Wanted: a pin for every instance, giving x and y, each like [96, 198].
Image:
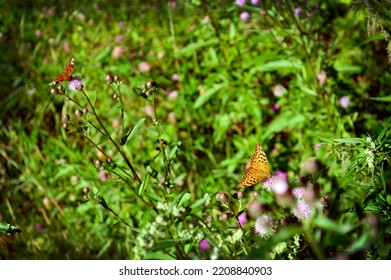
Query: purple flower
[344, 101]
[297, 11]
[245, 16]
[240, 2]
[276, 180]
[39, 228]
[103, 177]
[264, 225]
[299, 192]
[280, 186]
[282, 174]
[302, 210]
[175, 77]
[242, 218]
[204, 244]
[75, 84]
[254, 2]
[274, 107]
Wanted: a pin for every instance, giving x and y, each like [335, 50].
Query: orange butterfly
[258, 170]
[66, 75]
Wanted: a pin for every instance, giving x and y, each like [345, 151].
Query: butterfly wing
[66, 75]
[251, 176]
[258, 170]
[259, 160]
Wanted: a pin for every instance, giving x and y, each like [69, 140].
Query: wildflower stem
[130, 186]
[118, 89]
[311, 240]
[160, 133]
[136, 177]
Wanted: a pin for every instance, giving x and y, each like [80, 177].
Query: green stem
[136, 177]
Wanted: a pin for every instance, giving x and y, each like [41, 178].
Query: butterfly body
[258, 170]
[66, 75]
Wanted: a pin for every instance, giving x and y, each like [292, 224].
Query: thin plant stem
[135, 175]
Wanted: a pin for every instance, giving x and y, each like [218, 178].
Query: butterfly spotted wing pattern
[258, 170]
[66, 75]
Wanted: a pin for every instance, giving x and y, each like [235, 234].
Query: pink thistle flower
[75, 84]
[119, 38]
[297, 11]
[280, 186]
[38, 32]
[264, 225]
[172, 4]
[244, 16]
[240, 2]
[299, 192]
[254, 2]
[242, 218]
[204, 244]
[175, 77]
[171, 118]
[322, 76]
[282, 174]
[344, 101]
[66, 46]
[302, 210]
[279, 90]
[148, 109]
[103, 176]
[144, 67]
[270, 183]
[173, 95]
[117, 52]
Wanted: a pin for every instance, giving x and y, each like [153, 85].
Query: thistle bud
[222, 197]
[78, 113]
[65, 118]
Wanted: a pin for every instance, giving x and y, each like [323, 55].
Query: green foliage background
[228, 69]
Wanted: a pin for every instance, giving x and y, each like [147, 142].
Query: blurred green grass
[223, 103]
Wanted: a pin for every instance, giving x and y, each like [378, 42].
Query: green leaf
[131, 131]
[360, 244]
[382, 99]
[202, 99]
[185, 198]
[190, 49]
[328, 224]
[200, 202]
[143, 184]
[349, 69]
[154, 197]
[170, 243]
[380, 36]
[349, 140]
[286, 120]
[278, 65]
[158, 256]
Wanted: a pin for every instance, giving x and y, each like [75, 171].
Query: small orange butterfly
[258, 170]
[66, 75]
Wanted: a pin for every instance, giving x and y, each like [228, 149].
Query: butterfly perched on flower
[258, 170]
[66, 75]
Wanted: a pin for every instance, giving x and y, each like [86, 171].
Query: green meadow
[154, 115]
